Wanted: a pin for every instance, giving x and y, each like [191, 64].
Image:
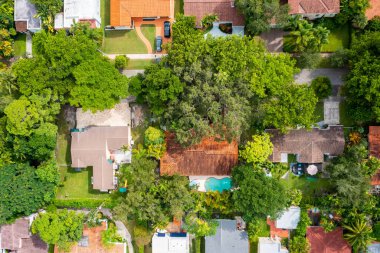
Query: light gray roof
[26, 11]
[227, 239]
[289, 218]
[374, 248]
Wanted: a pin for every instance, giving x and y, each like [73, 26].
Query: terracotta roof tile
[207, 158]
[223, 8]
[21, 26]
[314, 6]
[332, 242]
[283, 233]
[374, 9]
[310, 145]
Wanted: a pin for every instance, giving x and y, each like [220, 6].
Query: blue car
[167, 29]
[158, 44]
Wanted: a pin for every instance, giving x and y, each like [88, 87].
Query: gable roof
[373, 10]
[210, 157]
[314, 6]
[93, 148]
[227, 239]
[332, 242]
[223, 8]
[310, 145]
[122, 11]
[16, 237]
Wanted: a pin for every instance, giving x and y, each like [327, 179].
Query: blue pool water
[213, 184]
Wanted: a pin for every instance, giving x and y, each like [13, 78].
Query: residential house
[331, 242]
[164, 242]
[373, 10]
[270, 245]
[313, 9]
[310, 146]
[91, 242]
[125, 12]
[25, 16]
[16, 238]
[374, 150]
[208, 158]
[75, 11]
[102, 140]
[228, 238]
[224, 9]
[280, 228]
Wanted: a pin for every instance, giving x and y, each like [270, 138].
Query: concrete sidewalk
[137, 56]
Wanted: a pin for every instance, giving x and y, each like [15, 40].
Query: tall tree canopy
[260, 13]
[23, 190]
[256, 195]
[362, 87]
[74, 71]
[228, 83]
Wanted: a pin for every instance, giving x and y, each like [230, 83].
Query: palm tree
[303, 36]
[358, 235]
[321, 35]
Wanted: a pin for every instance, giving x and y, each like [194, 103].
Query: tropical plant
[299, 244]
[358, 234]
[257, 228]
[154, 142]
[121, 61]
[258, 150]
[322, 86]
[295, 197]
[327, 224]
[208, 20]
[110, 236]
[200, 227]
[142, 235]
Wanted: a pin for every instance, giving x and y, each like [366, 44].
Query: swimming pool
[213, 184]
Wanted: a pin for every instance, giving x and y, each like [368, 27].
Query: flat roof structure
[270, 245]
[79, 11]
[170, 243]
[289, 218]
[227, 239]
[25, 16]
[210, 157]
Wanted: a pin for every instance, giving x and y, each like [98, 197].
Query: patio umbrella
[312, 170]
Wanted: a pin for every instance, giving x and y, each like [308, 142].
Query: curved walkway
[143, 39]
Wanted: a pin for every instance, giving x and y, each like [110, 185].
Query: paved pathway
[274, 40]
[307, 75]
[137, 56]
[132, 72]
[124, 233]
[331, 111]
[29, 46]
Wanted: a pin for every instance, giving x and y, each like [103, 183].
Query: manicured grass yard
[20, 44]
[319, 112]
[338, 39]
[139, 64]
[77, 185]
[345, 117]
[62, 150]
[149, 32]
[123, 42]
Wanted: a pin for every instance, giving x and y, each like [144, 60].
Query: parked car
[158, 43]
[167, 29]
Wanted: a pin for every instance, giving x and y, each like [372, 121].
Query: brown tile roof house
[207, 158]
[223, 8]
[16, 238]
[309, 145]
[96, 147]
[332, 242]
[123, 11]
[314, 6]
[374, 149]
[373, 10]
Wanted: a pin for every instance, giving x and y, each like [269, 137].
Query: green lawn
[338, 39]
[123, 42]
[77, 185]
[139, 64]
[20, 44]
[319, 112]
[105, 12]
[178, 6]
[345, 117]
[149, 32]
[264, 232]
[62, 150]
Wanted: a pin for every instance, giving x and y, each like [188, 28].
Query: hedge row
[83, 203]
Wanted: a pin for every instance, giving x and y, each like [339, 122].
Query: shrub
[374, 24]
[142, 236]
[110, 235]
[154, 141]
[299, 244]
[327, 224]
[295, 197]
[208, 20]
[309, 60]
[83, 203]
[340, 58]
[322, 87]
[121, 61]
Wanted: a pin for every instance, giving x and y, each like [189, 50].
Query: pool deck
[201, 181]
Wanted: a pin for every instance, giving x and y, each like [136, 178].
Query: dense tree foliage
[219, 86]
[353, 12]
[154, 142]
[256, 196]
[61, 227]
[258, 150]
[24, 189]
[322, 86]
[6, 29]
[75, 71]
[152, 198]
[259, 14]
[362, 85]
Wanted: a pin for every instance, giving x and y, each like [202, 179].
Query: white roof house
[170, 243]
[77, 11]
[228, 239]
[25, 16]
[374, 248]
[269, 245]
[290, 218]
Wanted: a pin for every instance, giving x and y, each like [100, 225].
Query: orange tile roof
[122, 11]
[314, 6]
[374, 9]
[210, 157]
[283, 233]
[332, 242]
[374, 141]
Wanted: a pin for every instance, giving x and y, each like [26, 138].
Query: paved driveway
[274, 40]
[307, 75]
